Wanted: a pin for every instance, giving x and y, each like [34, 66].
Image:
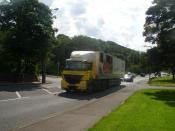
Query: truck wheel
[90, 90]
[103, 84]
[68, 90]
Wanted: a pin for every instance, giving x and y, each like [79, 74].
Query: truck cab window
[78, 65]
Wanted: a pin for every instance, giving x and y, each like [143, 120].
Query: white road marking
[14, 99]
[56, 93]
[53, 93]
[47, 91]
[59, 87]
[18, 95]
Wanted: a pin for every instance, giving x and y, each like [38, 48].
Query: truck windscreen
[78, 65]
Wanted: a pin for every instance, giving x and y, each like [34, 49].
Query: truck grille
[73, 79]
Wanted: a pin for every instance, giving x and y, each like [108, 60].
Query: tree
[159, 29]
[60, 51]
[27, 25]
[154, 59]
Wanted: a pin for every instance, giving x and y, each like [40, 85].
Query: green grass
[146, 110]
[162, 81]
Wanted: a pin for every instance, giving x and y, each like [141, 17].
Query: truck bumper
[82, 86]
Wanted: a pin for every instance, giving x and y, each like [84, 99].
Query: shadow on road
[13, 88]
[167, 96]
[85, 96]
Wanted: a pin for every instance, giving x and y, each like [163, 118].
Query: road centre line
[18, 95]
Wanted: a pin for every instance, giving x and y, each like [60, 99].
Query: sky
[120, 21]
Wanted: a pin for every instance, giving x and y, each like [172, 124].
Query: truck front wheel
[68, 90]
[89, 90]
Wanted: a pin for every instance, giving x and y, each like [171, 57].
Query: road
[22, 106]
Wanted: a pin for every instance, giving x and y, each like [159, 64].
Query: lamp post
[44, 61]
[58, 66]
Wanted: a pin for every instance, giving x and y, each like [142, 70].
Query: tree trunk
[43, 72]
[173, 73]
[17, 73]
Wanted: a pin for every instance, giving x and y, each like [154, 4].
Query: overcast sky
[120, 21]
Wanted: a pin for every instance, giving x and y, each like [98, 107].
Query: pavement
[13, 91]
[84, 117]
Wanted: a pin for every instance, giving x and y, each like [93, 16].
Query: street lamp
[58, 66]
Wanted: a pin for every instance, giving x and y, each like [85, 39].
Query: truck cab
[77, 73]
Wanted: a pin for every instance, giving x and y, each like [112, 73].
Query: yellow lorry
[91, 70]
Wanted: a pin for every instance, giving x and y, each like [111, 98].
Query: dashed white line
[47, 91]
[18, 95]
[13, 99]
[56, 93]
[59, 87]
[53, 93]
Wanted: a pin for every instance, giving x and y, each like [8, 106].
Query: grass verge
[162, 81]
[146, 110]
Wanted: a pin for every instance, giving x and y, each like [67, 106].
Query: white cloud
[120, 21]
[77, 8]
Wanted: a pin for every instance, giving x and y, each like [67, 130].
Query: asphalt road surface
[22, 105]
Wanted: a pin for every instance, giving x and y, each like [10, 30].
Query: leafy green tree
[160, 29]
[144, 66]
[60, 51]
[154, 59]
[27, 25]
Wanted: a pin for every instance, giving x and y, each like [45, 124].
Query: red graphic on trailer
[105, 64]
[107, 68]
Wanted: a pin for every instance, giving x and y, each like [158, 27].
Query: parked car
[163, 74]
[156, 74]
[142, 74]
[133, 74]
[128, 78]
[160, 74]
